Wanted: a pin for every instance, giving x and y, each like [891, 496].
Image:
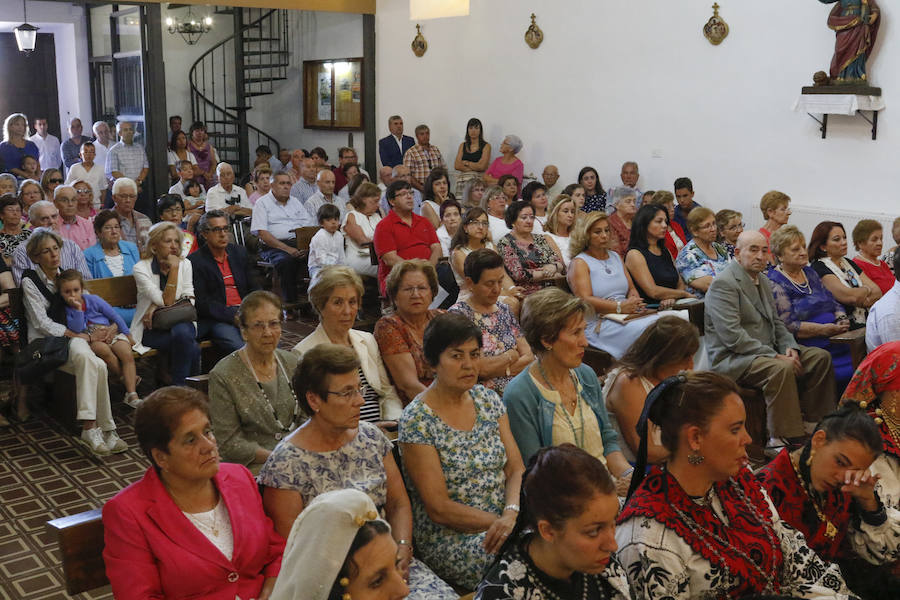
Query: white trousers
[91, 389]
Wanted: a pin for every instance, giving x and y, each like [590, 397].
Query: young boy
[91, 316]
[327, 246]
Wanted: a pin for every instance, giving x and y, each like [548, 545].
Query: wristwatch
[619, 307]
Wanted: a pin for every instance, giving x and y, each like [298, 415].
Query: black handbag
[40, 357]
[167, 317]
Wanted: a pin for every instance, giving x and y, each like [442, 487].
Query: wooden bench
[856, 339]
[80, 539]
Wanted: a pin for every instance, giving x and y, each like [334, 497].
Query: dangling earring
[812, 452]
[695, 458]
[344, 582]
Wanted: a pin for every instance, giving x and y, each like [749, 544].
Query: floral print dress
[520, 259]
[500, 333]
[357, 465]
[473, 465]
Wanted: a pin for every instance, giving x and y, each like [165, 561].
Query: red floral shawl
[659, 493]
[878, 373]
[796, 509]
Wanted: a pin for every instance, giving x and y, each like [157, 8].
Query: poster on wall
[332, 95]
[324, 96]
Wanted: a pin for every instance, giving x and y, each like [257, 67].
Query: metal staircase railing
[226, 78]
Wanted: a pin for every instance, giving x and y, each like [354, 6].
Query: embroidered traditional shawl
[660, 493]
[795, 507]
[878, 373]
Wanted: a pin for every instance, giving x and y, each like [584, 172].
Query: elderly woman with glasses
[702, 258]
[13, 231]
[45, 313]
[336, 449]
[411, 286]
[730, 224]
[252, 400]
[532, 259]
[336, 297]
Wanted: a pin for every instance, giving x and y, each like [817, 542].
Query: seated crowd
[463, 442]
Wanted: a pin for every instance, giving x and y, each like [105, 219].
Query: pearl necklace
[803, 288]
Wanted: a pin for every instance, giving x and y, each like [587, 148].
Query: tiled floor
[45, 474]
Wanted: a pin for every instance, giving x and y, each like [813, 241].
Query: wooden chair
[118, 291]
[304, 236]
[80, 539]
[601, 362]
[856, 339]
[696, 314]
[199, 382]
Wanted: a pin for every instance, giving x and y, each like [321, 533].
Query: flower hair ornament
[318, 545]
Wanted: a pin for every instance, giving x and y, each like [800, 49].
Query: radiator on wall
[805, 218]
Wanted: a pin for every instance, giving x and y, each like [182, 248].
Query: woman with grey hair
[8, 184]
[624, 203]
[507, 163]
[46, 316]
[15, 145]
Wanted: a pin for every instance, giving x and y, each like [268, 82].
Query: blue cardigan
[531, 415]
[96, 260]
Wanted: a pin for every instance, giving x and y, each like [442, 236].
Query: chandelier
[191, 28]
[26, 35]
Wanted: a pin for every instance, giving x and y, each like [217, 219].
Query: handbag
[40, 357]
[167, 317]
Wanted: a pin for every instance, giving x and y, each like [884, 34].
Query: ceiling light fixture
[191, 29]
[26, 35]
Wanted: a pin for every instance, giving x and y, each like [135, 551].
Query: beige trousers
[791, 400]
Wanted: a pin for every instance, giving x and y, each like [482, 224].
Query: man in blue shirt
[684, 200]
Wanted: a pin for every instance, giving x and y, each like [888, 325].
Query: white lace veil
[318, 544]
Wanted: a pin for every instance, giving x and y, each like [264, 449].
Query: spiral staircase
[226, 78]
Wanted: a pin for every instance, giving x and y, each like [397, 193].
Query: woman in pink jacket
[190, 528]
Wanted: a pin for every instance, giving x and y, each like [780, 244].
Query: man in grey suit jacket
[747, 341]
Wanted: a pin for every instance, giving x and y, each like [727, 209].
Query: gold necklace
[830, 530]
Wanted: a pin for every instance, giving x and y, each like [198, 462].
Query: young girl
[92, 317]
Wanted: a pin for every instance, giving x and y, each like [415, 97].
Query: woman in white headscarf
[339, 548]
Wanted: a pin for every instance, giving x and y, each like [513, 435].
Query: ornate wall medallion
[534, 36]
[715, 29]
[419, 45]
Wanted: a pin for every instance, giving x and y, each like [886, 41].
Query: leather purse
[167, 317]
[40, 357]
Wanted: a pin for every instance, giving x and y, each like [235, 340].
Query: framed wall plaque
[332, 94]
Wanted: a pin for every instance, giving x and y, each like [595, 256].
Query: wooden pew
[856, 339]
[80, 539]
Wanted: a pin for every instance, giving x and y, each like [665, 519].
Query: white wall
[314, 36]
[178, 57]
[67, 23]
[616, 81]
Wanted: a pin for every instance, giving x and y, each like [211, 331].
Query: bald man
[550, 175]
[325, 195]
[749, 343]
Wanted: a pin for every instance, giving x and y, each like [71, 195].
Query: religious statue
[855, 23]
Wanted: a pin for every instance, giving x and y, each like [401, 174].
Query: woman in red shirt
[867, 238]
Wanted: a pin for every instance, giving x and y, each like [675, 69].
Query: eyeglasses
[735, 227]
[348, 394]
[82, 190]
[415, 289]
[218, 230]
[262, 326]
[55, 180]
